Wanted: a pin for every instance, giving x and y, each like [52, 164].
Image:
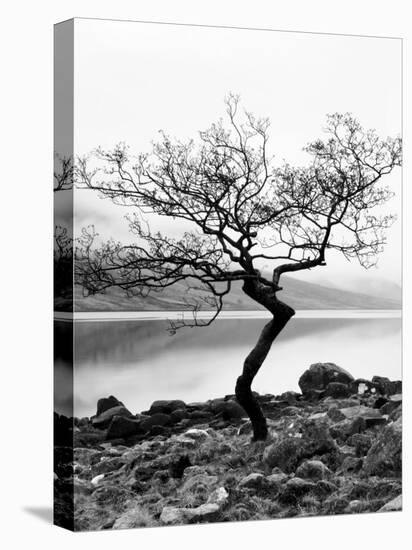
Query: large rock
[384, 458]
[386, 386]
[166, 406]
[156, 419]
[229, 409]
[122, 426]
[106, 403]
[337, 390]
[319, 375]
[103, 420]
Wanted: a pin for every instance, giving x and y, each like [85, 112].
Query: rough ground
[335, 448]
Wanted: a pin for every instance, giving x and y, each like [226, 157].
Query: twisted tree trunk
[281, 314]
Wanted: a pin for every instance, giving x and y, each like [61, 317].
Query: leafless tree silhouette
[243, 210]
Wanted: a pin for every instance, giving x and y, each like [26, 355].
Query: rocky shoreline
[334, 448]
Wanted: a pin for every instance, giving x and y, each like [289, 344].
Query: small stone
[254, 481]
[82, 487]
[354, 507]
[324, 488]
[394, 505]
[295, 489]
[362, 443]
[284, 454]
[96, 480]
[196, 434]
[107, 465]
[314, 470]
[178, 466]
[276, 480]
[132, 519]
[351, 465]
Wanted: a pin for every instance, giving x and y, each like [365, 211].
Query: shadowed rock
[319, 375]
[106, 403]
[103, 420]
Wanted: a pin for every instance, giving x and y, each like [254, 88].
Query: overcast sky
[133, 79]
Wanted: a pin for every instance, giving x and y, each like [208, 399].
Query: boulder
[315, 470]
[166, 406]
[178, 415]
[156, 419]
[386, 386]
[384, 458]
[394, 505]
[103, 420]
[361, 386]
[337, 390]
[229, 409]
[106, 403]
[159, 430]
[122, 426]
[319, 375]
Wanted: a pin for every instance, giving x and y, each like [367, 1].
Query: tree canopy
[241, 206]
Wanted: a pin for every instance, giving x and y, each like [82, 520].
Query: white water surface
[138, 361]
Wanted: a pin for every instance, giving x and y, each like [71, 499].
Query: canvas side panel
[63, 274]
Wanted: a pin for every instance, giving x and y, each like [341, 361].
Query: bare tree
[242, 210]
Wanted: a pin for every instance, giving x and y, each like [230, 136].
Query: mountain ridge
[297, 293]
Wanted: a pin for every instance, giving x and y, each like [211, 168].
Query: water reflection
[138, 361]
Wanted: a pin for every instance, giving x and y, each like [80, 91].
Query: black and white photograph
[228, 261]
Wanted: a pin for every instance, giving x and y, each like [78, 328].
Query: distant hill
[299, 294]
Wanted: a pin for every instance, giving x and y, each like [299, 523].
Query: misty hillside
[299, 294]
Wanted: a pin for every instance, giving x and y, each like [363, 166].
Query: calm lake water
[138, 361]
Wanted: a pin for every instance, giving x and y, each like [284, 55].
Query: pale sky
[133, 79]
